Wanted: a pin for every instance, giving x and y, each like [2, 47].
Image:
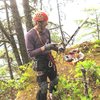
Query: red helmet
[40, 16]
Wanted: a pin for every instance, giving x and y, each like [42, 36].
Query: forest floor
[65, 68]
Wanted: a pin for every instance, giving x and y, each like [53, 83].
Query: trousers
[42, 82]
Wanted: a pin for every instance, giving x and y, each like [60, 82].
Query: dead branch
[4, 40]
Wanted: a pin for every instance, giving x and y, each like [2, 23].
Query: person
[39, 46]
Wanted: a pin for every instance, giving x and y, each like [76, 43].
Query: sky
[71, 11]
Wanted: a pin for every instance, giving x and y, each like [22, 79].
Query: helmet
[40, 16]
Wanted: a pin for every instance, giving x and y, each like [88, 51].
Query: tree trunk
[8, 59]
[13, 44]
[19, 31]
[41, 4]
[15, 50]
[97, 27]
[12, 41]
[27, 12]
[4, 31]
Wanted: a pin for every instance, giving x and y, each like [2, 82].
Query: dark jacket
[33, 43]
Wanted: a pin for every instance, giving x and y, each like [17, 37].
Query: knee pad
[44, 87]
[54, 82]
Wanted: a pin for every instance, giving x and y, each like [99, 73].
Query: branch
[4, 31]
[4, 40]
[1, 44]
[2, 8]
[8, 6]
[32, 8]
[83, 70]
[76, 31]
[55, 27]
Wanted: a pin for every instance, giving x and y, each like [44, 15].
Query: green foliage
[97, 42]
[73, 89]
[95, 46]
[70, 90]
[62, 88]
[24, 79]
[2, 71]
[89, 65]
[55, 37]
[17, 84]
[90, 27]
[2, 53]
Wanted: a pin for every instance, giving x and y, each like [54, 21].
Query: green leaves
[2, 71]
[87, 64]
[70, 88]
[97, 42]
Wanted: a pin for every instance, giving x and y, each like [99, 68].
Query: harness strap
[49, 54]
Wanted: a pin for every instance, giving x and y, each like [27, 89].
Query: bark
[15, 51]
[19, 31]
[4, 40]
[41, 5]
[4, 31]
[59, 16]
[97, 27]
[8, 60]
[27, 12]
[13, 43]
[85, 81]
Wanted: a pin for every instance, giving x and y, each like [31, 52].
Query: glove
[50, 46]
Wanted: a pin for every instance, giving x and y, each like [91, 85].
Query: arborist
[39, 46]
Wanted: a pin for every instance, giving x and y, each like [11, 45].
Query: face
[41, 25]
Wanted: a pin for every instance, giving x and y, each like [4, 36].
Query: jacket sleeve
[29, 41]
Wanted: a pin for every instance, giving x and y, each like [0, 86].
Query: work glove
[51, 46]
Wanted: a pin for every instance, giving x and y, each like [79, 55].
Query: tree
[8, 60]
[12, 40]
[93, 24]
[19, 31]
[27, 12]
